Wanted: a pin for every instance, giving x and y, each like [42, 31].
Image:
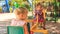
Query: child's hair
[38, 4]
[20, 10]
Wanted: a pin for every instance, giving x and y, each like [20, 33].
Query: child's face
[38, 7]
[22, 16]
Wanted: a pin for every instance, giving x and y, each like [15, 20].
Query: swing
[15, 30]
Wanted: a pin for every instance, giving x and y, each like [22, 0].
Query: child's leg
[44, 25]
[40, 25]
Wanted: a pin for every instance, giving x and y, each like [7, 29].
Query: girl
[39, 15]
[21, 16]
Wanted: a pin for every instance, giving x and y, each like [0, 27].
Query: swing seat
[15, 30]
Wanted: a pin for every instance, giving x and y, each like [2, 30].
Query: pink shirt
[17, 22]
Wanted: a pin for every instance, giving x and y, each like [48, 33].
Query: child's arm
[25, 29]
[44, 11]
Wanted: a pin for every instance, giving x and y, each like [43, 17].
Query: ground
[50, 26]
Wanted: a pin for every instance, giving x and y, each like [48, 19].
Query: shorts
[39, 20]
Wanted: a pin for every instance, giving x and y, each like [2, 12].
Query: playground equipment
[7, 5]
[15, 30]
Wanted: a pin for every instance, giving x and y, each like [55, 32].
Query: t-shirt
[15, 22]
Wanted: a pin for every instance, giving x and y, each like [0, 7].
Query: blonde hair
[20, 10]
